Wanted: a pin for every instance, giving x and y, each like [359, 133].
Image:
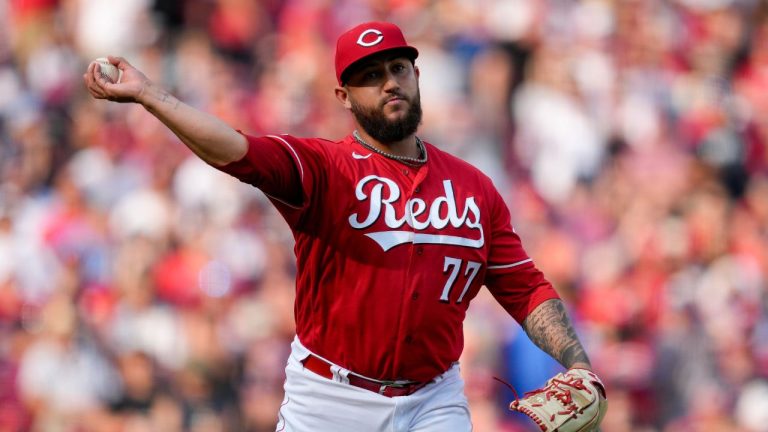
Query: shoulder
[457, 167]
[289, 139]
[306, 146]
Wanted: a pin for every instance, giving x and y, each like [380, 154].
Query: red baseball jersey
[390, 255]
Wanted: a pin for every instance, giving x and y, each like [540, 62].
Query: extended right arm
[207, 136]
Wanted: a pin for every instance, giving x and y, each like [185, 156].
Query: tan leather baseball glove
[573, 401]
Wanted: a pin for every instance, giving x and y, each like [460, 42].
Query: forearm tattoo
[160, 95]
[550, 329]
[167, 98]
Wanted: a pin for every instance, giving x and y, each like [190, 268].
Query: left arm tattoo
[550, 329]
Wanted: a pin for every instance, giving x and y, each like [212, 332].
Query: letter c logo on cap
[379, 38]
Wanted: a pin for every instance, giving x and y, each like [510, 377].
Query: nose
[390, 82]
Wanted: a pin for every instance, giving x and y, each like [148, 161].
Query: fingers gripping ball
[573, 401]
[108, 71]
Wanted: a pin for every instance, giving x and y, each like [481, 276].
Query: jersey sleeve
[511, 276]
[287, 169]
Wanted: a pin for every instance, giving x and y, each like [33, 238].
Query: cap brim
[408, 51]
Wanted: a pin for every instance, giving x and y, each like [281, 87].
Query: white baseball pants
[313, 403]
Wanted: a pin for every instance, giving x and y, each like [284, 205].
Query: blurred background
[141, 290]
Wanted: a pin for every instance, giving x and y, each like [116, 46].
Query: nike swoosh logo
[357, 155]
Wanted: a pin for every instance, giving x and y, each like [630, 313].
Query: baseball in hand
[108, 71]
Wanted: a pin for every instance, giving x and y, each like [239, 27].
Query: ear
[417, 71]
[342, 94]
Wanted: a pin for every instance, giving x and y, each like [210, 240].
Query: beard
[383, 130]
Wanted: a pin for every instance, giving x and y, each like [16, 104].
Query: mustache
[394, 95]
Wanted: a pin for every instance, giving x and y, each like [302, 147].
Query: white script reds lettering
[416, 214]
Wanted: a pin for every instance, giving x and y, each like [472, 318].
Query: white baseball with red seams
[108, 71]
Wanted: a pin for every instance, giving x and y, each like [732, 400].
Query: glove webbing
[553, 389]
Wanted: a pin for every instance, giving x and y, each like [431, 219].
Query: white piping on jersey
[515, 264]
[389, 239]
[285, 203]
[296, 155]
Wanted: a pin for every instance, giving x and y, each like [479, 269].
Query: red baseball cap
[367, 39]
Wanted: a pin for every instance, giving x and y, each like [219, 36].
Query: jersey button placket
[413, 278]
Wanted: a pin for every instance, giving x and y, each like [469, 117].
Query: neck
[409, 160]
[406, 147]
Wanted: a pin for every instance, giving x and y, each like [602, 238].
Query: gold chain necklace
[421, 160]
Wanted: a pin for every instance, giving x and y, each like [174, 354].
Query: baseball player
[393, 240]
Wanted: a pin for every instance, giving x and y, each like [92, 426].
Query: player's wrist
[581, 365]
[145, 95]
[144, 84]
[155, 99]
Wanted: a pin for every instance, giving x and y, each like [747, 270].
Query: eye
[398, 67]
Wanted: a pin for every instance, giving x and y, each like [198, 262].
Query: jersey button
[419, 250]
[418, 189]
[405, 171]
[415, 296]
[408, 339]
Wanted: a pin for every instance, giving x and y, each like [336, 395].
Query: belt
[384, 388]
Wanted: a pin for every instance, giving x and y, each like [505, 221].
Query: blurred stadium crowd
[141, 290]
